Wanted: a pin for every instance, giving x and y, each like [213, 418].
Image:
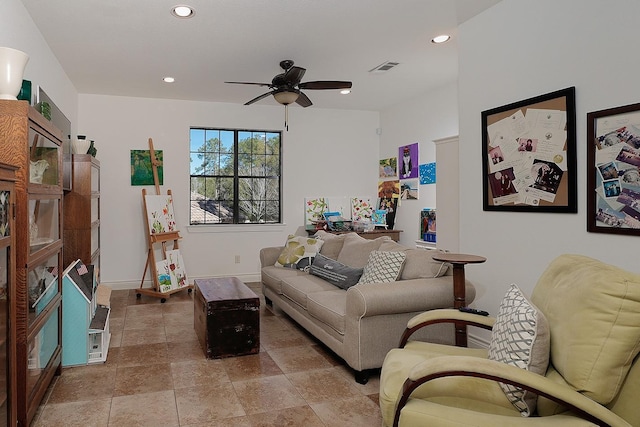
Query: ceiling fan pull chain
[286, 117]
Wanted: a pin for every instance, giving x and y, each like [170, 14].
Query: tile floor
[156, 375]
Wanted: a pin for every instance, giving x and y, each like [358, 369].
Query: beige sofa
[361, 324]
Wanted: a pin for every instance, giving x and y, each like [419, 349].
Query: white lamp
[286, 98]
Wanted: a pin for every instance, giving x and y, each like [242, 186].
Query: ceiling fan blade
[303, 100]
[325, 84]
[258, 98]
[250, 83]
[293, 75]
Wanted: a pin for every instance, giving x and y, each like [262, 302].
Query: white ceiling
[125, 47]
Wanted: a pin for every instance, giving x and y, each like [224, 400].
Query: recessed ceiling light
[182, 11]
[168, 79]
[345, 91]
[441, 39]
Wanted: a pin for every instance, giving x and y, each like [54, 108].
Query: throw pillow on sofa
[298, 249]
[332, 243]
[383, 267]
[419, 263]
[355, 251]
[334, 272]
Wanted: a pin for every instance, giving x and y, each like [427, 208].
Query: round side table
[459, 295]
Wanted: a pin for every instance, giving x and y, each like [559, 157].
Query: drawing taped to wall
[408, 161]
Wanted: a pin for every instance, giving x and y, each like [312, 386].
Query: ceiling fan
[286, 87]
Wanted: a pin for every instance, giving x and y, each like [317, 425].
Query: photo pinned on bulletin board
[428, 173]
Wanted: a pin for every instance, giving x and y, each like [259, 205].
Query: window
[235, 176]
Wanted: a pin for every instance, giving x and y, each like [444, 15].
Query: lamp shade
[12, 63]
[286, 98]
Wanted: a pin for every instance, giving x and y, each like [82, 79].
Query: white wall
[514, 51]
[423, 119]
[325, 152]
[18, 31]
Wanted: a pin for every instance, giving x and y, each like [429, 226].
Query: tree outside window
[235, 176]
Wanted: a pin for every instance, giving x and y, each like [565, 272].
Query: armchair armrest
[483, 368]
[432, 317]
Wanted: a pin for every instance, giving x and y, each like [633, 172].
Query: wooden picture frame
[529, 155]
[613, 170]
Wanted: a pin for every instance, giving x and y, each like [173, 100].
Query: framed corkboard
[529, 155]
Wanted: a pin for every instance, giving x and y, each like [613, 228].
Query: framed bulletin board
[529, 155]
[613, 170]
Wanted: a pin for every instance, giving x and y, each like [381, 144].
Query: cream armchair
[592, 316]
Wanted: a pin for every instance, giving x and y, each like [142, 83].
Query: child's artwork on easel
[168, 274]
[164, 276]
[160, 213]
[176, 269]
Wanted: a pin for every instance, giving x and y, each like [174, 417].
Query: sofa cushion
[335, 272]
[329, 307]
[296, 249]
[421, 265]
[272, 277]
[593, 352]
[297, 288]
[383, 267]
[520, 337]
[332, 243]
[355, 251]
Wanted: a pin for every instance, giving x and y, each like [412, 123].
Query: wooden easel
[154, 238]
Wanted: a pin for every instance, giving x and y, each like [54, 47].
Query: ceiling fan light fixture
[182, 11]
[345, 91]
[285, 97]
[168, 79]
[441, 39]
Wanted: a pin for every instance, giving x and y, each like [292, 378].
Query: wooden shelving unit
[82, 212]
[34, 146]
[7, 295]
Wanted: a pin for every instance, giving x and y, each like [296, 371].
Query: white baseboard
[122, 285]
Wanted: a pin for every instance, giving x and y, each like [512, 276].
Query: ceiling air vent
[384, 67]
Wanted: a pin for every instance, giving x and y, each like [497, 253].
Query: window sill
[237, 228]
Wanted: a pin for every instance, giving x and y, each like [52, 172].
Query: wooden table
[459, 292]
[370, 235]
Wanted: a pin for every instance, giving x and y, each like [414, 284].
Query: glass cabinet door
[44, 222]
[42, 286]
[5, 282]
[44, 156]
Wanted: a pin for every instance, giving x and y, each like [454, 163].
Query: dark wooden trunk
[226, 317]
